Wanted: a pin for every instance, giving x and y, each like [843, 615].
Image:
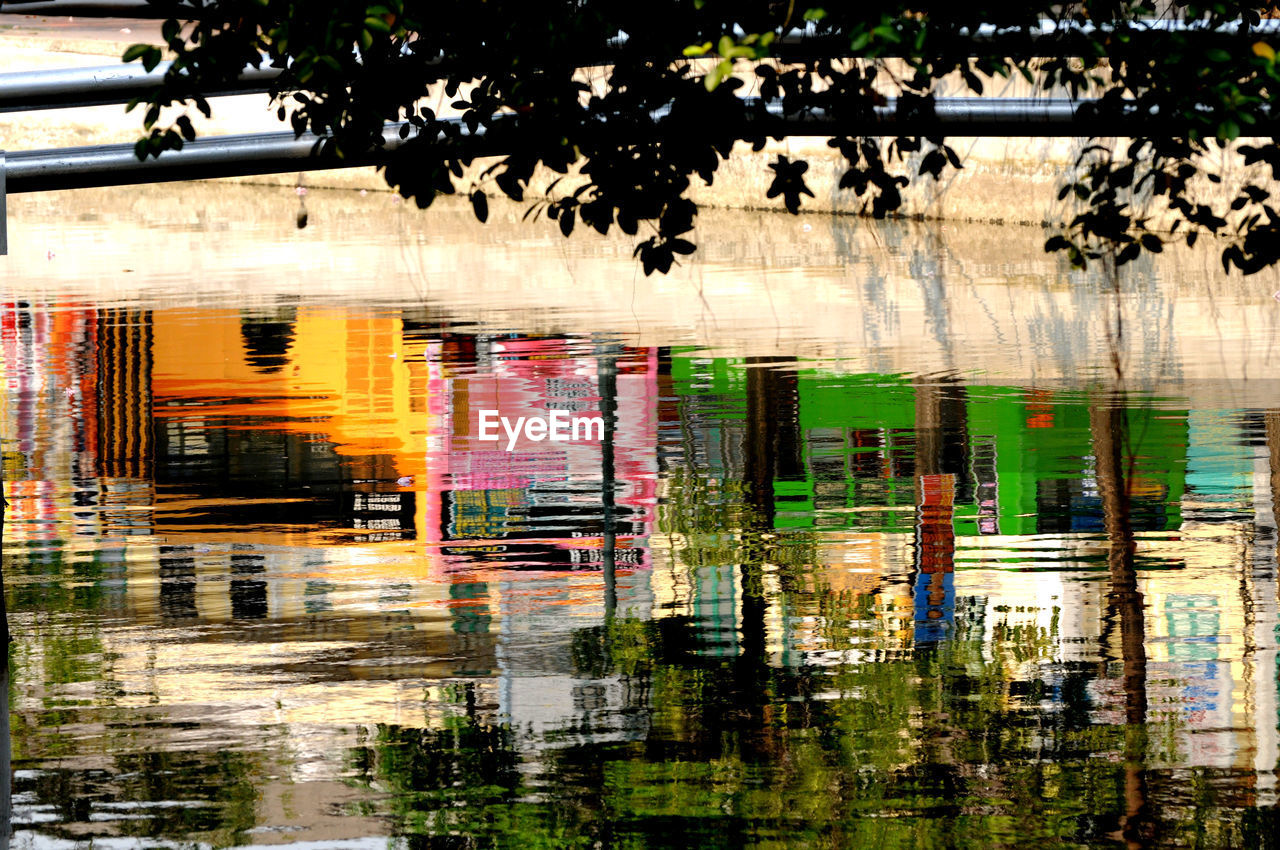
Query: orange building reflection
[396, 406]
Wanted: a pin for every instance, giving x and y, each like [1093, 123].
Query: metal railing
[98, 8]
[269, 153]
[206, 158]
[25, 91]
[4, 213]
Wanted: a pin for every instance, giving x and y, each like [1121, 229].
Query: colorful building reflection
[323, 467]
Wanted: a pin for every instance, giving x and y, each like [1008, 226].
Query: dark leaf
[480, 205]
[932, 164]
[135, 52]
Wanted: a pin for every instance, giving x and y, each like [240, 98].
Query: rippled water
[880, 548]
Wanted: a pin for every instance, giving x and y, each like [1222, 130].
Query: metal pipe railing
[210, 157]
[266, 153]
[806, 40]
[98, 8]
[4, 233]
[22, 91]
[1045, 31]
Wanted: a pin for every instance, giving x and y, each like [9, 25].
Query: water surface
[903, 535]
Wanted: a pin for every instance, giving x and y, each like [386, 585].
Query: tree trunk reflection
[772, 451]
[1108, 427]
[1272, 419]
[6, 757]
[6, 749]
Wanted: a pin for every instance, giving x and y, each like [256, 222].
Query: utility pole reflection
[607, 380]
[941, 482]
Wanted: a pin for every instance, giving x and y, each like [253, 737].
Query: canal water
[873, 535]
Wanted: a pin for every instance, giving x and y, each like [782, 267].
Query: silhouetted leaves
[634, 138]
[789, 182]
[933, 163]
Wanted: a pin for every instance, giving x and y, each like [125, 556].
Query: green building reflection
[927, 459]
